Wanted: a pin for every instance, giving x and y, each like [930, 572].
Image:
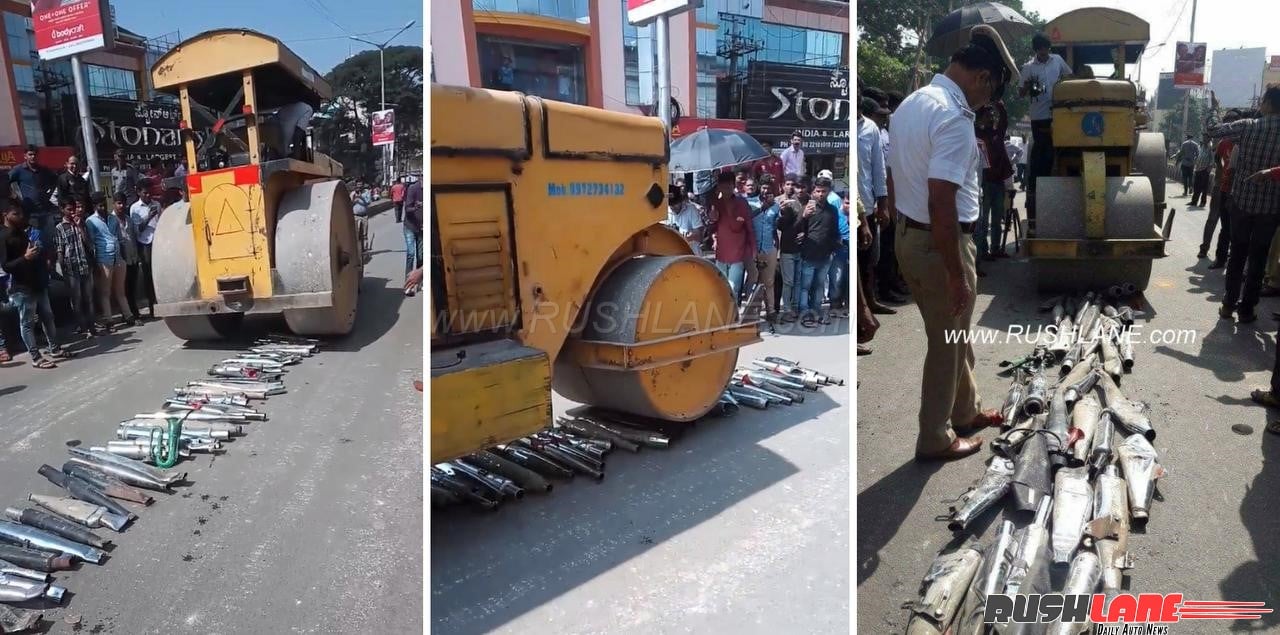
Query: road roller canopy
[211, 67]
[1092, 35]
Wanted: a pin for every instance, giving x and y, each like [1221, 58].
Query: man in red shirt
[735, 238]
[397, 198]
[1220, 204]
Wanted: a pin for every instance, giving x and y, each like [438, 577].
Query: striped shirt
[1258, 148]
[72, 245]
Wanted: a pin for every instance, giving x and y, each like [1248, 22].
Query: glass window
[31, 125]
[18, 30]
[111, 82]
[571, 10]
[639, 62]
[24, 78]
[551, 71]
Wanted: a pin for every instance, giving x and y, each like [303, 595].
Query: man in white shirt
[1038, 77]
[685, 217]
[146, 214]
[934, 167]
[793, 156]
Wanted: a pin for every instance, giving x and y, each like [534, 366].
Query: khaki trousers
[754, 275]
[948, 390]
[109, 281]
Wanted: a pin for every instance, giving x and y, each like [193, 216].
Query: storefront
[785, 99]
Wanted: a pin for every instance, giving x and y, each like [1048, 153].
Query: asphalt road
[742, 526]
[311, 523]
[1212, 537]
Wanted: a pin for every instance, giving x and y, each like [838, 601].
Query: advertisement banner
[67, 27]
[144, 130]
[1275, 62]
[1189, 64]
[642, 11]
[384, 127]
[1238, 76]
[781, 99]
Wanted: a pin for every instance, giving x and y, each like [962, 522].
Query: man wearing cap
[1038, 77]
[934, 165]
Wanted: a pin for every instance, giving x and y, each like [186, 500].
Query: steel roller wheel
[204, 327]
[317, 251]
[173, 265]
[1128, 215]
[1149, 160]
[648, 298]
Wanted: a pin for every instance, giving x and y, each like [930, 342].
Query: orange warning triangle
[228, 220]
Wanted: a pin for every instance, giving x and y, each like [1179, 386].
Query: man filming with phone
[1038, 77]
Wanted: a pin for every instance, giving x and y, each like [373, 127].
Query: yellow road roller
[267, 227]
[1098, 214]
[550, 269]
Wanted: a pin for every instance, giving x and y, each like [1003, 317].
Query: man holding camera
[1038, 77]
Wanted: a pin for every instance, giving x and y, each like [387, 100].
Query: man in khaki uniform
[934, 162]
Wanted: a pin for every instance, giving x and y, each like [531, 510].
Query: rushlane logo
[1147, 613]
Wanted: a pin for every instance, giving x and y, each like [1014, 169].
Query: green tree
[1171, 123]
[357, 87]
[876, 67]
[899, 28]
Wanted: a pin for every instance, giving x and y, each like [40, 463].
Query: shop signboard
[781, 99]
[144, 130]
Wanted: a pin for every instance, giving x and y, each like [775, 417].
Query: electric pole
[734, 47]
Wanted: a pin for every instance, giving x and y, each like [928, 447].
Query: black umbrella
[951, 33]
[711, 148]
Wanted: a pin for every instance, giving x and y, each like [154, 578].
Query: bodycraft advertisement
[781, 99]
[67, 27]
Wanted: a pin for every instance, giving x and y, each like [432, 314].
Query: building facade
[37, 98]
[585, 52]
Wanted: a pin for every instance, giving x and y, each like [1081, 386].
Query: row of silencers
[252, 388]
[36, 539]
[55, 524]
[109, 485]
[563, 456]
[37, 559]
[759, 402]
[262, 365]
[590, 430]
[202, 429]
[226, 370]
[203, 435]
[621, 429]
[771, 382]
[769, 395]
[83, 490]
[18, 589]
[472, 484]
[132, 472]
[243, 413]
[194, 396]
[797, 368]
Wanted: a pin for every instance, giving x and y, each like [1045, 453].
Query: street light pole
[1186, 97]
[387, 158]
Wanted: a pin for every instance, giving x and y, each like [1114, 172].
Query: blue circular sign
[1091, 124]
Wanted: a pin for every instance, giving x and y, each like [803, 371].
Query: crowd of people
[791, 238]
[56, 227]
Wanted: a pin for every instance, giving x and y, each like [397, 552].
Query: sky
[314, 29]
[1222, 24]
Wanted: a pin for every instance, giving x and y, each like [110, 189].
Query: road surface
[1212, 537]
[311, 523]
[742, 526]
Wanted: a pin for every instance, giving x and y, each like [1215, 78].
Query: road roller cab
[550, 268]
[1098, 214]
[267, 226]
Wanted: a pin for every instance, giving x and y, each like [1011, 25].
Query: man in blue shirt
[108, 260]
[32, 184]
[838, 273]
[764, 219]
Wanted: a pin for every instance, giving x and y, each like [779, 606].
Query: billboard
[780, 99]
[1189, 63]
[1167, 96]
[642, 11]
[1275, 63]
[384, 127]
[1237, 76]
[67, 27]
